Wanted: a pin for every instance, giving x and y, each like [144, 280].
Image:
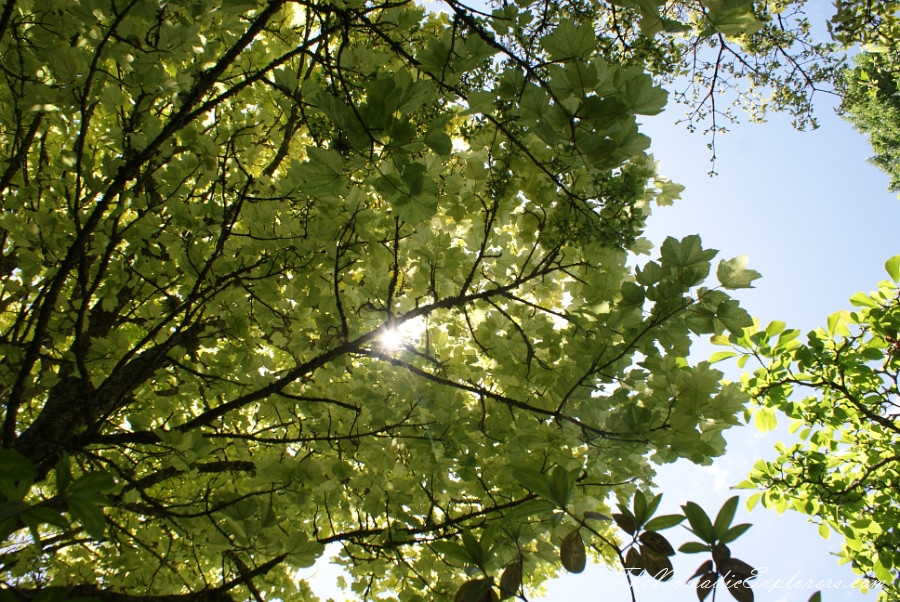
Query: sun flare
[395, 338]
[392, 339]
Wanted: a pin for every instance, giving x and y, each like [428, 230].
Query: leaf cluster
[215, 220]
[839, 390]
[647, 552]
[869, 101]
[714, 537]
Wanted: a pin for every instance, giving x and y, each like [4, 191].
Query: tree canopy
[844, 469]
[288, 274]
[871, 104]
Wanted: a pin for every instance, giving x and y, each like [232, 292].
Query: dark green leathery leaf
[572, 552]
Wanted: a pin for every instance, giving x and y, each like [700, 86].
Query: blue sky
[818, 222]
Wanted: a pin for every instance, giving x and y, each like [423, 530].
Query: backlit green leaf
[570, 40]
[453, 551]
[892, 267]
[733, 274]
[641, 96]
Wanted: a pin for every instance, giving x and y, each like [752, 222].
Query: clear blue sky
[817, 220]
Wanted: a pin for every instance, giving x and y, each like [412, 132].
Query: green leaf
[719, 356]
[89, 515]
[892, 267]
[882, 573]
[725, 516]
[699, 521]
[732, 274]
[639, 506]
[570, 40]
[8, 527]
[650, 274]
[435, 57]
[706, 567]
[453, 551]
[666, 521]
[63, 474]
[98, 481]
[764, 419]
[12, 509]
[816, 597]
[863, 300]
[591, 515]
[412, 193]
[693, 547]
[303, 552]
[705, 584]
[322, 170]
[775, 327]
[476, 551]
[511, 579]
[530, 509]
[643, 97]
[656, 543]
[837, 323]
[733, 316]
[562, 486]
[739, 590]
[16, 467]
[669, 192]
[672, 26]
[658, 566]
[626, 521]
[736, 569]
[753, 499]
[581, 76]
[634, 562]
[476, 590]
[480, 101]
[43, 514]
[685, 252]
[535, 482]
[731, 18]
[653, 504]
[734, 532]
[35, 531]
[572, 552]
[438, 140]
